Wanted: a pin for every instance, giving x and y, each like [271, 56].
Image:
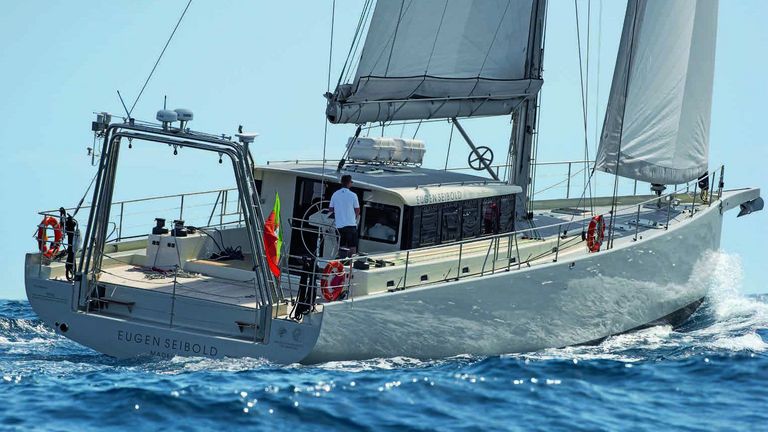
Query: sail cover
[427, 59]
[656, 125]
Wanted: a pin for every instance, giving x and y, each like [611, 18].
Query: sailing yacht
[449, 262]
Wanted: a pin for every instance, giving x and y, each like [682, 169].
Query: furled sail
[656, 125]
[426, 59]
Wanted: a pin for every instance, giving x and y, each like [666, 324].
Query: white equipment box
[386, 150]
[166, 252]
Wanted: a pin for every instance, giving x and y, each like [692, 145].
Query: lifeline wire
[159, 57]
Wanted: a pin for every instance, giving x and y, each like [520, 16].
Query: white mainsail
[427, 59]
[656, 126]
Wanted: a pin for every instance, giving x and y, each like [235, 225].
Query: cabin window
[490, 213]
[381, 223]
[507, 213]
[470, 219]
[452, 221]
[429, 232]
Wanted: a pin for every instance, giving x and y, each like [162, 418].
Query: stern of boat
[132, 322]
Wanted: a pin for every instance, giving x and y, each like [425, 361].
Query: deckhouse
[403, 206]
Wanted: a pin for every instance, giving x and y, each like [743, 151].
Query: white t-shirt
[344, 202]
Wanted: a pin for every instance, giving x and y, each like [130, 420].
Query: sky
[265, 65]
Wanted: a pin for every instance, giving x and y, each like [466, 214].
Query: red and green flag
[273, 238]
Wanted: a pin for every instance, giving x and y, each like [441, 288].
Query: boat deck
[230, 282]
[196, 285]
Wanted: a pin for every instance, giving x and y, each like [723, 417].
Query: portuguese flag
[273, 238]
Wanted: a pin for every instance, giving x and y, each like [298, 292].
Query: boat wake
[728, 322]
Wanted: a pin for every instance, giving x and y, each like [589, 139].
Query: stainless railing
[566, 174]
[222, 213]
[193, 207]
[505, 242]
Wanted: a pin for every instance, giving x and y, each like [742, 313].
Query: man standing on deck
[346, 208]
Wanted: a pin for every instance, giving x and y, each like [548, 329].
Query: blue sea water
[711, 374]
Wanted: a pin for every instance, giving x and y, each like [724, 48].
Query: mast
[524, 116]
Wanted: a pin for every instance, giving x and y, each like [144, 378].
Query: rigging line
[352, 45]
[597, 81]
[490, 47]
[405, 122]
[434, 43]
[330, 47]
[355, 40]
[159, 58]
[349, 76]
[394, 37]
[587, 186]
[552, 186]
[586, 97]
[391, 38]
[417, 130]
[621, 129]
[431, 53]
[80, 204]
[328, 89]
[122, 102]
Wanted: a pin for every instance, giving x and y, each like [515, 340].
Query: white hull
[579, 299]
[572, 301]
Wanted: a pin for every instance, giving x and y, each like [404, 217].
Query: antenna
[165, 101]
[123, 102]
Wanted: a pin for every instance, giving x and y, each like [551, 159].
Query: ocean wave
[658, 377]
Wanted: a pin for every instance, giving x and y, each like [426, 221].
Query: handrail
[222, 198]
[158, 197]
[319, 161]
[566, 162]
[495, 239]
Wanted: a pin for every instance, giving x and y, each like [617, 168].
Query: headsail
[426, 59]
[657, 121]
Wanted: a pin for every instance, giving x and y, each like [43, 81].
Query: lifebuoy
[595, 233]
[42, 237]
[332, 281]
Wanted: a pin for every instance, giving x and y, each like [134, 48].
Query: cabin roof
[409, 182]
[385, 177]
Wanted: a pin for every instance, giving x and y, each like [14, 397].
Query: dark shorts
[348, 236]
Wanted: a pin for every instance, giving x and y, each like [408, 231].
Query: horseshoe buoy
[595, 233]
[42, 237]
[332, 281]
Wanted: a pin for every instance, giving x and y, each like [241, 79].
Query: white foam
[374, 364]
[747, 342]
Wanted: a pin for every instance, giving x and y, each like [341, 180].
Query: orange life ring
[595, 233]
[332, 281]
[42, 237]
